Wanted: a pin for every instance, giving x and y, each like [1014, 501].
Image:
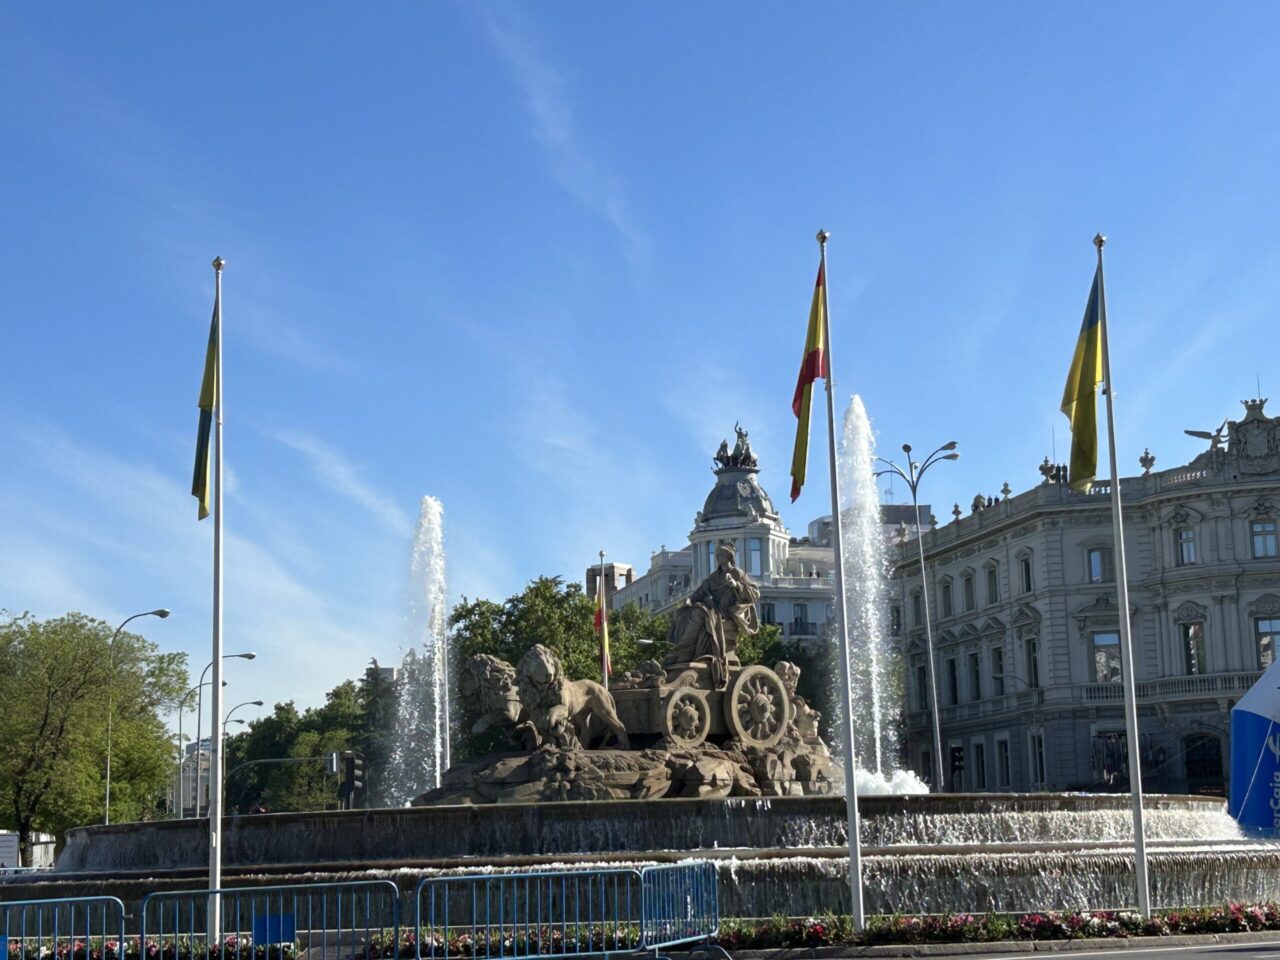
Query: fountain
[421, 754]
[699, 755]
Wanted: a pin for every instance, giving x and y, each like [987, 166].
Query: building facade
[1026, 625]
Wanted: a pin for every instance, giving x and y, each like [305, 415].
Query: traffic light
[352, 778]
[957, 762]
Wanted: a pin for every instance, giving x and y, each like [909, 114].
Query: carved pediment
[1026, 616]
[1103, 606]
[1262, 507]
[968, 632]
[1267, 605]
[992, 625]
[1183, 515]
[915, 646]
[1189, 611]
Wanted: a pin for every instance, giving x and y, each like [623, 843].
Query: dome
[738, 495]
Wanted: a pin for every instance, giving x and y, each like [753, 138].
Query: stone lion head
[540, 677]
[489, 686]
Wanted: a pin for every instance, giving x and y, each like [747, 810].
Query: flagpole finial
[1099, 240]
[218, 264]
[823, 237]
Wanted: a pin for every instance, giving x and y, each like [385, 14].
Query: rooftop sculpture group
[698, 724]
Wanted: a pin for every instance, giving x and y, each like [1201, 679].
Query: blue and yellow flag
[1080, 398]
[208, 399]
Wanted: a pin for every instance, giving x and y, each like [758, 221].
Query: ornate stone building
[1025, 623]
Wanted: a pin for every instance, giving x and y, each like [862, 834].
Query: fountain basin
[924, 853]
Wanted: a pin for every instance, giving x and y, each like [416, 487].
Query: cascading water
[873, 667]
[421, 753]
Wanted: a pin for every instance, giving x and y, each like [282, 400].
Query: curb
[1009, 946]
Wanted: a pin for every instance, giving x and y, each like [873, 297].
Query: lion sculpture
[487, 686]
[561, 709]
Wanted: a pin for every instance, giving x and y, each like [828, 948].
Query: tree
[59, 681]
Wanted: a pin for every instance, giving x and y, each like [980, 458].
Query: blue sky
[537, 259]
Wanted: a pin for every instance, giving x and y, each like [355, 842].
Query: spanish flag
[602, 627]
[813, 365]
[1080, 398]
[208, 399]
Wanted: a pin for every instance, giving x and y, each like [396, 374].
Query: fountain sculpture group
[699, 724]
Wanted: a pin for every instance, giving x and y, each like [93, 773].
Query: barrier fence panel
[681, 904]
[76, 927]
[547, 914]
[326, 921]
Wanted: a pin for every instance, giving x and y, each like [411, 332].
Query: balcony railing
[798, 629]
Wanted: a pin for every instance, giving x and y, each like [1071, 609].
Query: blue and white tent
[1255, 756]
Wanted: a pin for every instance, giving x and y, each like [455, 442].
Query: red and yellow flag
[812, 367]
[602, 627]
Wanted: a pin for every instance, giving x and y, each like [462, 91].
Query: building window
[1193, 647]
[970, 598]
[767, 613]
[1037, 760]
[926, 766]
[1106, 656]
[895, 620]
[1003, 772]
[754, 554]
[1186, 547]
[953, 683]
[922, 686]
[711, 555]
[993, 585]
[916, 616]
[980, 766]
[800, 613]
[975, 676]
[997, 671]
[1033, 662]
[1101, 568]
[1264, 539]
[946, 598]
[1027, 583]
[1266, 630]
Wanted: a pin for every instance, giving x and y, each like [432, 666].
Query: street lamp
[911, 477]
[200, 714]
[111, 676]
[247, 703]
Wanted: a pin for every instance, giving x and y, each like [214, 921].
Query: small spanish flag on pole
[1079, 397]
[813, 365]
[602, 626]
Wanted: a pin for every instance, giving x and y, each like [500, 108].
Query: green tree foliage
[60, 680]
[279, 762]
[375, 731]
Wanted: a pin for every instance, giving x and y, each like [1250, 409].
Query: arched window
[970, 593]
[947, 608]
[1026, 571]
[993, 582]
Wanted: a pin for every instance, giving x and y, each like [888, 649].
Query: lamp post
[200, 714]
[1033, 757]
[111, 672]
[911, 477]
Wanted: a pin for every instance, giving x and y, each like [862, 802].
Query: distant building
[1025, 620]
[195, 758]
[794, 574]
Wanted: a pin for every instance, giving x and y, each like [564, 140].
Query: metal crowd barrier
[565, 913]
[326, 921]
[66, 929]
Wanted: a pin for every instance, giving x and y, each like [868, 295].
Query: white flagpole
[837, 535]
[215, 735]
[1126, 640]
[604, 620]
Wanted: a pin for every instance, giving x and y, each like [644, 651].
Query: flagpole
[215, 735]
[1126, 641]
[837, 534]
[604, 616]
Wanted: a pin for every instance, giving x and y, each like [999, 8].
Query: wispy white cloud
[342, 476]
[547, 100]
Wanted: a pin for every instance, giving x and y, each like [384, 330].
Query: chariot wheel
[757, 707]
[687, 717]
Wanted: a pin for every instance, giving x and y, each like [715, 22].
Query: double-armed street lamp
[162, 613]
[200, 714]
[911, 477]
